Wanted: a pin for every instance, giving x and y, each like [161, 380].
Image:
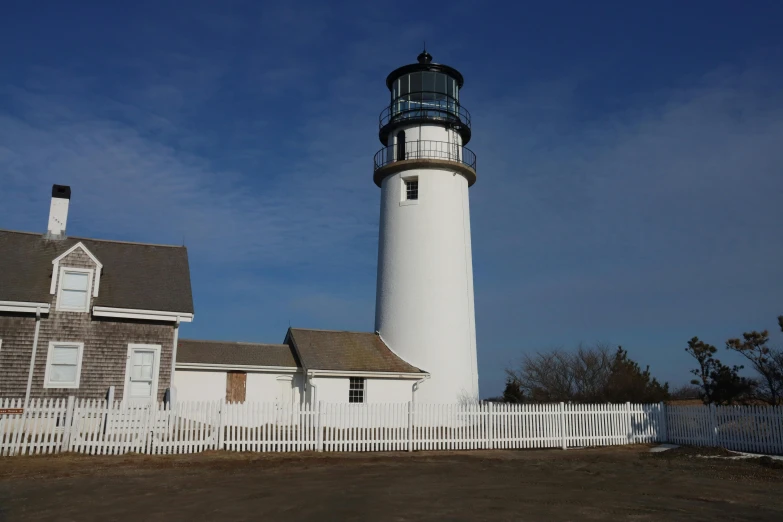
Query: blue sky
[630, 159]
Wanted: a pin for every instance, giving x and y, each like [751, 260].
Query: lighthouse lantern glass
[428, 94]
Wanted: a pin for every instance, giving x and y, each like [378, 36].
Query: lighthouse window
[416, 82]
[411, 189]
[429, 82]
[423, 82]
[404, 86]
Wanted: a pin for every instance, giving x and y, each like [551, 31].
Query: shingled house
[79, 315]
[310, 365]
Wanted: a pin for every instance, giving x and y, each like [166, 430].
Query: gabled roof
[346, 351]
[135, 275]
[226, 353]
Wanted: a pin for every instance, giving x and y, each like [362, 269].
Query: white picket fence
[754, 429]
[112, 427]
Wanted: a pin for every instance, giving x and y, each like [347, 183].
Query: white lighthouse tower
[424, 302]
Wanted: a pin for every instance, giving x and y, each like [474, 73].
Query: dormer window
[74, 291]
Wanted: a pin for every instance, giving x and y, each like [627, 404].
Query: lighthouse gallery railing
[445, 109]
[426, 149]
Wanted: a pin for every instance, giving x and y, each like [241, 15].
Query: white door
[142, 374]
[285, 394]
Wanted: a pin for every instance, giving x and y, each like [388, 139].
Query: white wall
[210, 385]
[200, 385]
[335, 389]
[331, 389]
[268, 387]
[426, 132]
[389, 390]
[424, 299]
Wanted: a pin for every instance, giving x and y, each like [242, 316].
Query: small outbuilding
[310, 366]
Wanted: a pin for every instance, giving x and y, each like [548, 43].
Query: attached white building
[310, 366]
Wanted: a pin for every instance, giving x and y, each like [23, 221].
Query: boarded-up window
[236, 386]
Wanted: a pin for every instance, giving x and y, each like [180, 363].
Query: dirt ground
[620, 483]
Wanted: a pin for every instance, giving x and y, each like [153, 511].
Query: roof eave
[239, 367]
[361, 373]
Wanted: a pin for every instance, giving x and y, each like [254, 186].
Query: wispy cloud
[130, 184]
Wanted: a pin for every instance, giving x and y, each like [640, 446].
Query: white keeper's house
[80, 316]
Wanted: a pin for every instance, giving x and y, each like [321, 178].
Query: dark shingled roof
[134, 275]
[347, 351]
[233, 353]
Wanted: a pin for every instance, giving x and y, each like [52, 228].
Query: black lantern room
[425, 92]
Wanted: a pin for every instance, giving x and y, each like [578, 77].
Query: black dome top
[424, 57]
[425, 64]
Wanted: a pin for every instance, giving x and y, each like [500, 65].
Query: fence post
[491, 427]
[713, 424]
[221, 422]
[663, 426]
[319, 435]
[68, 422]
[629, 434]
[107, 425]
[172, 397]
[145, 443]
[563, 436]
[410, 426]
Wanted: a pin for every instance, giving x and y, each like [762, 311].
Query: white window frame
[155, 372]
[56, 267]
[404, 191]
[88, 292]
[79, 357]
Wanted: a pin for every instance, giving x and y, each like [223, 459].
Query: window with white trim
[141, 379]
[74, 291]
[63, 365]
[356, 389]
[411, 189]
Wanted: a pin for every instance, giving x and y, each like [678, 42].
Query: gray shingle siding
[103, 360]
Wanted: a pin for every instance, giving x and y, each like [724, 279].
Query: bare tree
[591, 368]
[685, 392]
[588, 374]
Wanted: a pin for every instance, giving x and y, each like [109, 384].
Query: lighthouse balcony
[424, 154]
[422, 108]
